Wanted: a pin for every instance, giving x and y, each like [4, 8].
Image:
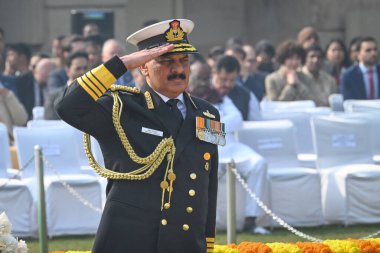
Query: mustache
[174, 76]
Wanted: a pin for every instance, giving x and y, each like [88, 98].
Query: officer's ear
[144, 69]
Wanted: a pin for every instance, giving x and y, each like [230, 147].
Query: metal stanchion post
[231, 204]
[42, 228]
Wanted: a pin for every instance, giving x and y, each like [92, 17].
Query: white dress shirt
[181, 104]
[364, 69]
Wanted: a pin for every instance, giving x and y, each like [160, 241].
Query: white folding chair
[336, 102]
[61, 163]
[273, 106]
[300, 117]
[15, 196]
[344, 159]
[5, 161]
[341, 141]
[38, 112]
[46, 123]
[253, 168]
[290, 186]
[79, 138]
[301, 123]
[353, 105]
[373, 118]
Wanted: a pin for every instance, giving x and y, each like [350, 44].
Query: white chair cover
[274, 140]
[295, 196]
[59, 149]
[373, 119]
[341, 141]
[353, 105]
[46, 123]
[349, 179]
[5, 161]
[38, 113]
[336, 102]
[253, 168]
[15, 197]
[301, 123]
[273, 106]
[79, 138]
[290, 186]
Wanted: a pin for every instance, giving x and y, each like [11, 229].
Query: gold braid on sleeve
[165, 148]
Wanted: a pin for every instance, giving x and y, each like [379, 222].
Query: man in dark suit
[362, 81]
[31, 86]
[158, 144]
[76, 65]
[70, 44]
[253, 81]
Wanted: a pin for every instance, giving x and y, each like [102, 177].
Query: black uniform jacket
[132, 219]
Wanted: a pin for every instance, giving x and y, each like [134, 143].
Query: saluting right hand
[138, 58]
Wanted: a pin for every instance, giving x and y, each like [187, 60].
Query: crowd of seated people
[236, 75]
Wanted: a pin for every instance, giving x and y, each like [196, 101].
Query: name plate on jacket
[211, 131]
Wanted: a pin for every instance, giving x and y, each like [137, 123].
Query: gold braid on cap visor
[183, 47]
[150, 163]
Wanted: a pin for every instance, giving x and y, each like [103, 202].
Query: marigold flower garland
[312, 247]
[367, 246]
[253, 247]
[280, 247]
[329, 246]
[342, 246]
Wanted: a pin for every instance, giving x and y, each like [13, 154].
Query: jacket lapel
[361, 84]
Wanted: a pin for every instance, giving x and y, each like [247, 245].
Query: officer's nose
[177, 67]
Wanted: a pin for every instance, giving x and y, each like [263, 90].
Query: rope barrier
[70, 189]
[17, 174]
[264, 207]
[280, 221]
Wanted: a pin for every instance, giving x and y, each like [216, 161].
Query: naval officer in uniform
[159, 146]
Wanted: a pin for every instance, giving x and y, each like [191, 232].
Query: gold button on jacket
[193, 176]
[192, 193]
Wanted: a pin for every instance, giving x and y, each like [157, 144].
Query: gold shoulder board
[148, 100]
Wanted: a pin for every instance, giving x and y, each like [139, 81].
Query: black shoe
[249, 224]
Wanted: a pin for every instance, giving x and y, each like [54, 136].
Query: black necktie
[178, 118]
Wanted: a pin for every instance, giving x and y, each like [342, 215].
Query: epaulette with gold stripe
[115, 87]
[96, 81]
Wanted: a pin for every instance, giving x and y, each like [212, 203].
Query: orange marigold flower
[253, 247]
[310, 247]
[367, 246]
[232, 246]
